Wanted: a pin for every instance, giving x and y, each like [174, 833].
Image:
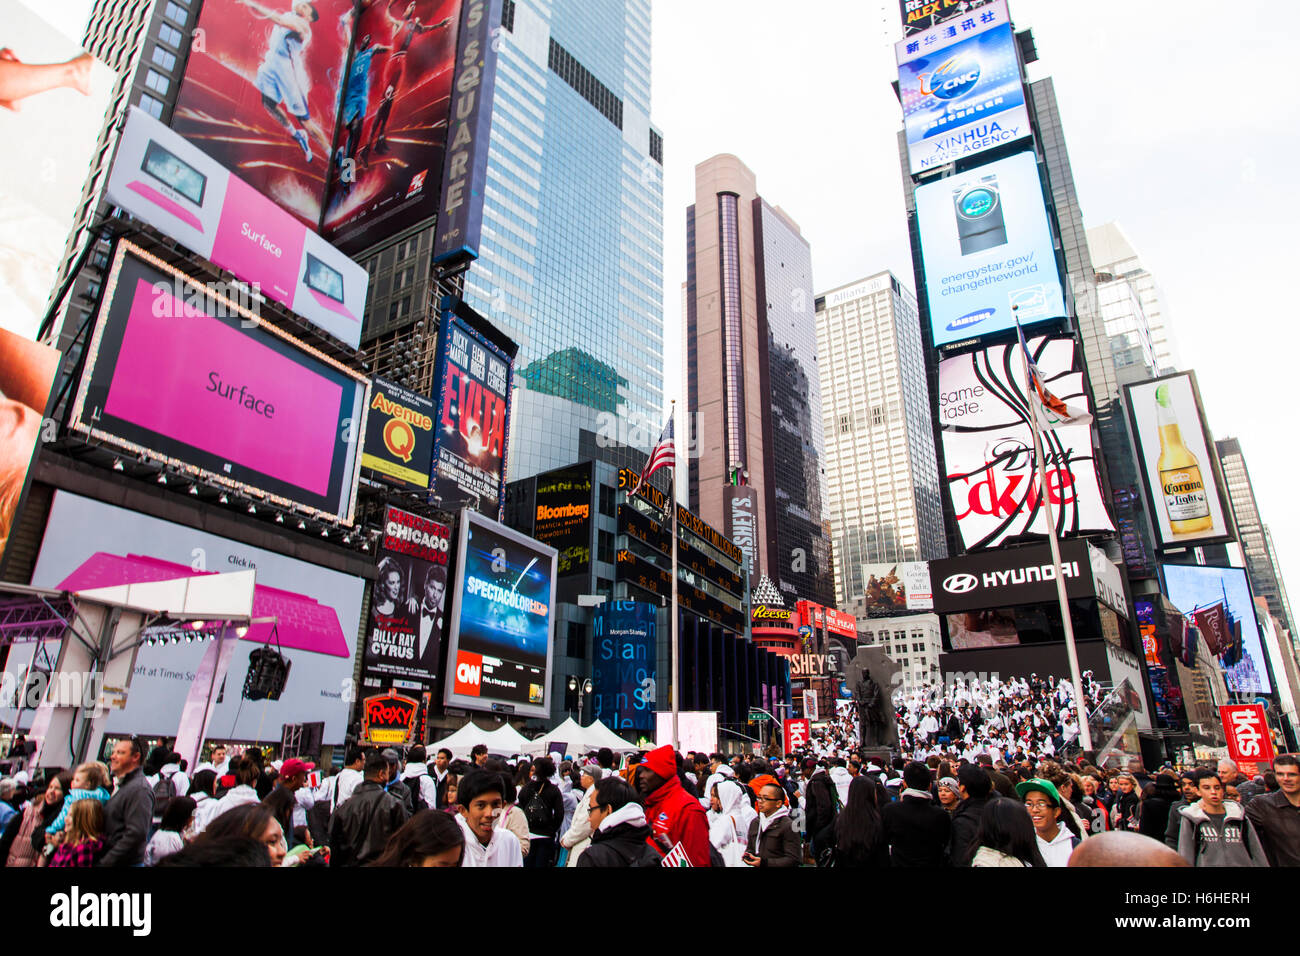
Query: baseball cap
[1042, 786]
[294, 766]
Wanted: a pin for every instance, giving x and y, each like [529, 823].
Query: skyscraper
[1256, 542]
[884, 503]
[753, 386]
[1129, 300]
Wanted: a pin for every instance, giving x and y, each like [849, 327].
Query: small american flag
[676, 857]
[664, 455]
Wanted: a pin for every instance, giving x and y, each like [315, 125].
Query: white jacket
[502, 849]
[724, 772]
[731, 825]
[578, 836]
[841, 777]
[211, 809]
[1057, 853]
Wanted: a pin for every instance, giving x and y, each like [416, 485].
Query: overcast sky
[1180, 124]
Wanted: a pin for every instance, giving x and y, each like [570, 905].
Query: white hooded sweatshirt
[732, 824]
[502, 849]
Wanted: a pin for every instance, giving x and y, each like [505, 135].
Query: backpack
[418, 802]
[164, 791]
[539, 813]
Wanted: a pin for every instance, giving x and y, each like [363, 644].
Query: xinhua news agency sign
[1249, 739]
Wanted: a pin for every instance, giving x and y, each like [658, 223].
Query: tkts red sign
[388, 719]
[1249, 740]
[797, 733]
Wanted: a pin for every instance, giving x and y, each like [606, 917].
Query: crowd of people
[827, 806]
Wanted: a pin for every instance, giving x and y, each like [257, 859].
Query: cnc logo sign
[952, 80]
[960, 583]
[388, 718]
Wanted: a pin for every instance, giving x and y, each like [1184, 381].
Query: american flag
[662, 456]
[1050, 411]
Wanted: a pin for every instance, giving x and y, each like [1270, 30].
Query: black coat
[819, 806]
[549, 794]
[918, 832]
[623, 845]
[127, 816]
[362, 824]
[779, 845]
[1155, 809]
[965, 822]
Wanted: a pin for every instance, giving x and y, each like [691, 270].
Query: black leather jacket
[361, 826]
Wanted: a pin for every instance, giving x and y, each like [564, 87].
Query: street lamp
[582, 691]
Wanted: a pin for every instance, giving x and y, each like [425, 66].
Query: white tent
[462, 741]
[506, 740]
[580, 740]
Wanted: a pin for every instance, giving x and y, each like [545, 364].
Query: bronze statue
[871, 717]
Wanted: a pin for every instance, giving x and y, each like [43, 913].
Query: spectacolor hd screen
[502, 620]
[186, 378]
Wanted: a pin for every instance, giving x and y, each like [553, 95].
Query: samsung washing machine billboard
[987, 250]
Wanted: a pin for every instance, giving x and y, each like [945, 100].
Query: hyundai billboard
[500, 641]
[261, 93]
[960, 89]
[176, 372]
[990, 472]
[311, 613]
[162, 179]
[987, 251]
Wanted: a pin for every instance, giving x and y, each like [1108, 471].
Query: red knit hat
[662, 762]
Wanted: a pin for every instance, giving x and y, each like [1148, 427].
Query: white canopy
[462, 741]
[579, 740]
[506, 740]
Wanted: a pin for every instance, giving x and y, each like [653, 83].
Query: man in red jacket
[670, 810]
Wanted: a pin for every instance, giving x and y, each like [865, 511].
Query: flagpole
[1080, 702]
[672, 602]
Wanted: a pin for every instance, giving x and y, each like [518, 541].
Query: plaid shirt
[83, 854]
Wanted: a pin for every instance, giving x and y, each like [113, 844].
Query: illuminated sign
[399, 434]
[388, 719]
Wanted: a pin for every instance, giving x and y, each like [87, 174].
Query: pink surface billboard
[161, 178]
[189, 377]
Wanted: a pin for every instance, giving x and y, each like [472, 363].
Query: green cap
[1162, 395]
[1042, 786]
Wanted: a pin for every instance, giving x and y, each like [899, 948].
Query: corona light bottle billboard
[1178, 464]
[1180, 474]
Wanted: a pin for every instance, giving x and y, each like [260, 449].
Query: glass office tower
[571, 263]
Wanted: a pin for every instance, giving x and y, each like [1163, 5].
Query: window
[164, 59]
[604, 586]
[151, 106]
[176, 13]
[157, 82]
[608, 497]
[170, 35]
[577, 640]
[605, 547]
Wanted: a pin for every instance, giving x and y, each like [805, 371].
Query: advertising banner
[1208, 594]
[988, 446]
[1126, 672]
[742, 523]
[987, 250]
[696, 729]
[562, 516]
[797, 732]
[162, 179]
[177, 372]
[50, 132]
[897, 588]
[399, 434]
[407, 607]
[388, 719]
[464, 178]
[1249, 741]
[472, 384]
[624, 665]
[317, 613]
[1005, 577]
[27, 371]
[387, 164]
[502, 620]
[919, 15]
[261, 93]
[960, 89]
[1177, 461]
